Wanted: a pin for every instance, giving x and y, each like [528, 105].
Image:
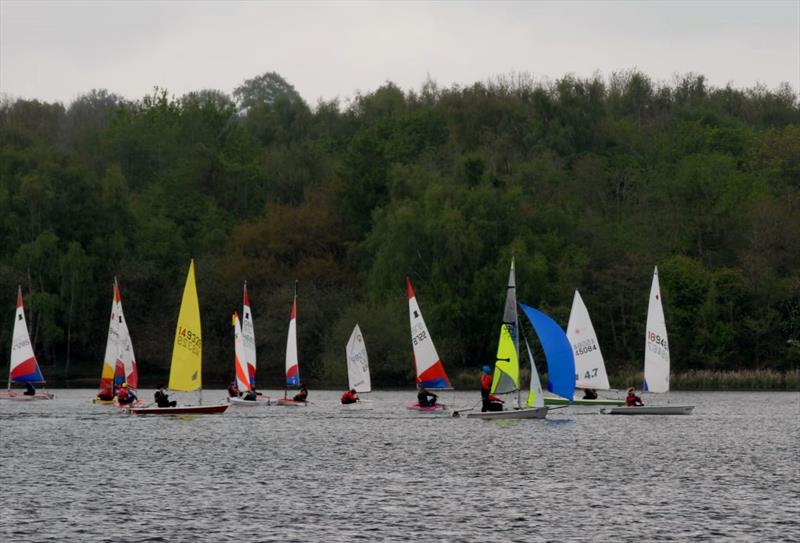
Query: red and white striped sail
[428, 365]
[292, 363]
[126, 354]
[240, 362]
[249, 338]
[24, 367]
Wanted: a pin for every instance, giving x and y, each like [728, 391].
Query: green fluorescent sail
[506, 368]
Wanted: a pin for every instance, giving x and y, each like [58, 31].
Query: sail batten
[187, 351]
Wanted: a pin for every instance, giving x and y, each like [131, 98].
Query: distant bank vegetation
[589, 183]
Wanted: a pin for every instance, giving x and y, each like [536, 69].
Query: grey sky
[56, 51]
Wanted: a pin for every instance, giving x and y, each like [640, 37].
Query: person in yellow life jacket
[125, 396]
[349, 397]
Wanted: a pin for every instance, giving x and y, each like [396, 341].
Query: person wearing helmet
[349, 397]
[125, 395]
[486, 387]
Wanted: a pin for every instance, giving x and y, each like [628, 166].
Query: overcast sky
[56, 51]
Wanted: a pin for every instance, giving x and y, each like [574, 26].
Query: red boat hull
[287, 401]
[185, 410]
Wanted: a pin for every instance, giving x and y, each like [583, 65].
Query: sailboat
[292, 362]
[185, 374]
[506, 367]
[119, 362]
[656, 360]
[358, 377]
[427, 364]
[23, 367]
[244, 347]
[590, 369]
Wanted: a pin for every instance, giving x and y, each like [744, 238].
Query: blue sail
[557, 351]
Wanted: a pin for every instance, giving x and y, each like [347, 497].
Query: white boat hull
[531, 413]
[650, 410]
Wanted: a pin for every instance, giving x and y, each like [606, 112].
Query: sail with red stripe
[428, 365]
[24, 367]
[248, 339]
[119, 361]
[292, 363]
[240, 363]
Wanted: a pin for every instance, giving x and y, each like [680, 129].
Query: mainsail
[357, 362]
[506, 367]
[119, 361]
[590, 370]
[292, 363]
[239, 361]
[656, 349]
[428, 365]
[187, 351]
[24, 367]
[249, 339]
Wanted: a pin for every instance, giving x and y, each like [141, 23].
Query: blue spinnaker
[557, 352]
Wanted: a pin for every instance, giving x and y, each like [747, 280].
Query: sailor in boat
[302, 394]
[632, 400]
[125, 395]
[590, 394]
[349, 397]
[425, 398]
[162, 398]
[233, 390]
[250, 396]
[106, 394]
[488, 401]
[30, 390]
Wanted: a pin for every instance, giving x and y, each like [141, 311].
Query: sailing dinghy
[119, 361]
[358, 377]
[656, 361]
[23, 367]
[590, 369]
[427, 364]
[186, 368]
[292, 362]
[244, 379]
[506, 380]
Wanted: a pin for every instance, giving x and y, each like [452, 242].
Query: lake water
[72, 471]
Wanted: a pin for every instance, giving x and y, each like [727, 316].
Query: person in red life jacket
[489, 402]
[105, 394]
[302, 394]
[632, 400]
[233, 390]
[125, 396]
[349, 397]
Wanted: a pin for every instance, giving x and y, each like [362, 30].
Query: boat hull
[549, 400]
[415, 406]
[184, 410]
[20, 397]
[531, 413]
[98, 401]
[290, 403]
[650, 410]
[262, 401]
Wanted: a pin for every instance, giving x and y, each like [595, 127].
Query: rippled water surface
[72, 471]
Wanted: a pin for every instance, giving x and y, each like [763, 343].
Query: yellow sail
[187, 352]
[506, 367]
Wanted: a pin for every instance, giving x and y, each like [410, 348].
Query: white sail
[125, 345]
[535, 395]
[240, 363]
[428, 365]
[249, 338]
[590, 370]
[656, 351]
[357, 362]
[292, 363]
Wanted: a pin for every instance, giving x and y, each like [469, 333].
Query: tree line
[587, 183]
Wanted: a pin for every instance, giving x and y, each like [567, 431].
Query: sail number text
[585, 347]
[189, 340]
